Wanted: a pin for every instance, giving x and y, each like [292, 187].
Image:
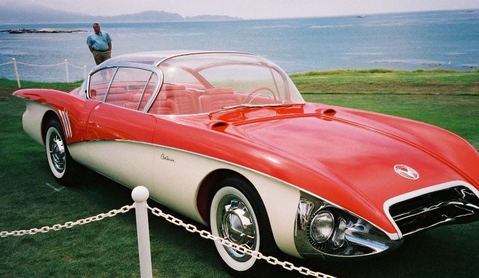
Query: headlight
[323, 229]
[322, 226]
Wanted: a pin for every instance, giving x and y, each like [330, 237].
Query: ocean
[423, 40]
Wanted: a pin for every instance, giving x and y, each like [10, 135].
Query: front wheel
[62, 166]
[238, 215]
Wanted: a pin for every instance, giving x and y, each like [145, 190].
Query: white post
[66, 71]
[140, 194]
[16, 72]
[84, 72]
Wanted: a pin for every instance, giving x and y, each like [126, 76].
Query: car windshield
[201, 83]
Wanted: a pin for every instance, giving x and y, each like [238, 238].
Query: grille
[447, 206]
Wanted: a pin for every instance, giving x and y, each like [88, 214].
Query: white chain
[178, 222]
[255, 254]
[34, 65]
[44, 65]
[68, 224]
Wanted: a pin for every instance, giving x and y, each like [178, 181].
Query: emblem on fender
[406, 172]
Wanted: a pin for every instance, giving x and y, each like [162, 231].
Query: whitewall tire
[65, 170]
[238, 215]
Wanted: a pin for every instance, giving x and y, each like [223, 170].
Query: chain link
[240, 248]
[68, 225]
[178, 222]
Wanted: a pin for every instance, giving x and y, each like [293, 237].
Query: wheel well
[49, 115]
[207, 188]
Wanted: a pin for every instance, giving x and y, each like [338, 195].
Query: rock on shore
[45, 30]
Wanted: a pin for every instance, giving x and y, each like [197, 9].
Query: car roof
[153, 58]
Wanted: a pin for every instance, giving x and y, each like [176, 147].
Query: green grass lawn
[448, 99]
[31, 198]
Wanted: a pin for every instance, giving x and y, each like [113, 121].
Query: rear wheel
[62, 166]
[238, 215]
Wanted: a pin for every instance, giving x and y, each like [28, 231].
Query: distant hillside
[11, 13]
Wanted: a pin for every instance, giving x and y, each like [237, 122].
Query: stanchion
[15, 68]
[140, 194]
[66, 71]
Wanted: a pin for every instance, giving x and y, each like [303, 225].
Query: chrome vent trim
[66, 124]
[451, 205]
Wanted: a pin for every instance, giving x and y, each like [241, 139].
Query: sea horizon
[402, 41]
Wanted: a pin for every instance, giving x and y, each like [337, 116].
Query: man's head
[96, 27]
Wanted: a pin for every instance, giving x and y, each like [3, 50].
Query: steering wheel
[250, 97]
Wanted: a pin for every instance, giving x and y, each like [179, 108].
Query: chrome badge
[406, 172]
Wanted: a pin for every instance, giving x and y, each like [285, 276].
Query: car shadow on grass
[441, 252]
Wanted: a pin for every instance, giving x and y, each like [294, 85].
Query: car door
[119, 133]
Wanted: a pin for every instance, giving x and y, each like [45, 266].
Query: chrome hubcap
[57, 152]
[238, 225]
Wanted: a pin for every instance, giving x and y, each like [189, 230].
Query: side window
[148, 90]
[99, 83]
[126, 87]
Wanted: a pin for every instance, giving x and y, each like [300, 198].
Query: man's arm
[88, 42]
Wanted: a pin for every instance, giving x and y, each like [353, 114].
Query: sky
[252, 9]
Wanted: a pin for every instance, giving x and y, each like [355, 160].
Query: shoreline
[41, 31]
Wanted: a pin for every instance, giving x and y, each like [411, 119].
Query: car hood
[349, 156]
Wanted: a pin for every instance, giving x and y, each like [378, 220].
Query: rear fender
[35, 120]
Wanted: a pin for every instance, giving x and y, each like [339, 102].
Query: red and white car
[226, 139]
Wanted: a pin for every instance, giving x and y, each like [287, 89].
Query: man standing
[99, 44]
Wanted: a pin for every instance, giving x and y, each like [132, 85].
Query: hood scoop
[218, 125]
[329, 112]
